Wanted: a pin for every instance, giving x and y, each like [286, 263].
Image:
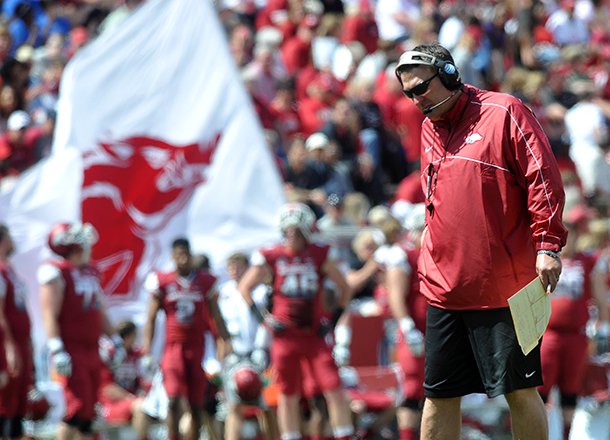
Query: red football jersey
[80, 318]
[183, 300]
[14, 304]
[297, 283]
[570, 300]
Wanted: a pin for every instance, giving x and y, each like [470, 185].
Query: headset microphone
[431, 108]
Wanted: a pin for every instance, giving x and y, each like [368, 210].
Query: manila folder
[530, 308]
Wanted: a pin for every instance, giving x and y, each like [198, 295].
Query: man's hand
[548, 269]
[260, 359]
[13, 360]
[148, 365]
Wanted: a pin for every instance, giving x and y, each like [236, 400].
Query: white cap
[316, 140]
[18, 120]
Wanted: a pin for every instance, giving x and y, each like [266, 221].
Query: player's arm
[330, 269]
[51, 300]
[357, 279]
[154, 305]
[52, 291]
[598, 292]
[255, 275]
[12, 355]
[217, 316]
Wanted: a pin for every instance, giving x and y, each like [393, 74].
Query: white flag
[167, 144]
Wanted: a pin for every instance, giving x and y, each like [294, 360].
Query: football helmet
[37, 405]
[65, 238]
[299, 215]
[248, 384]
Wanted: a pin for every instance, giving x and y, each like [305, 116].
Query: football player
[15, 327]
[74, 317]
[186, 295]
[298, 268]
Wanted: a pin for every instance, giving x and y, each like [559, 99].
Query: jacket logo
[472, 138]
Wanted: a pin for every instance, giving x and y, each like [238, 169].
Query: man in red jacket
[494, 203]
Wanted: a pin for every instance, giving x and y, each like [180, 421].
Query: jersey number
[184, 311]
[303, 285]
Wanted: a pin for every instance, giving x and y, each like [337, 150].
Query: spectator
[17, 145]
[123, 384]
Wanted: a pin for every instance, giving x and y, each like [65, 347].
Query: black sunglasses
[419, 89]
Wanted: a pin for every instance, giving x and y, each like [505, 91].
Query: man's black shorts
[476, 351]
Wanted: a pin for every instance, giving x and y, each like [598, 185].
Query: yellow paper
[530, 308]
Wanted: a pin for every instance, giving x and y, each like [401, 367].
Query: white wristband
[55, 345]
[406, 324]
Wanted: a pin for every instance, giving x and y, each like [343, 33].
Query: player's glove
[62, 362]
[413, 337]
[343, 338]
[601, 337]
[274, 324]
[148, 366]
[260, 359]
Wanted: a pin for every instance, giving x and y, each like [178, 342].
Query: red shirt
[362, 28]
[14, 292]
[295, 54]
[570, 300]
[19, 157]
[297, 283]
[313, 114]
[183, 300]
[497, 197]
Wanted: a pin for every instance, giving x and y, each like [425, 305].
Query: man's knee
[522, 396]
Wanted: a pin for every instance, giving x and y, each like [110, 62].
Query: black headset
[448, 74]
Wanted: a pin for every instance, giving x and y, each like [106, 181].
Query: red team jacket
[497, 198]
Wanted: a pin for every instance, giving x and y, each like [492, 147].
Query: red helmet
[247, 383]
[37, 405]
[65, 238]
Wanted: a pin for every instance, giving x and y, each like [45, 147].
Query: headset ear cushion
[449, 75]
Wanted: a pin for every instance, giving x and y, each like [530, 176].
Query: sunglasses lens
[419, 89]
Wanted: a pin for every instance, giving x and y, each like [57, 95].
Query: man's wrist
[406, 324]
[550, 253]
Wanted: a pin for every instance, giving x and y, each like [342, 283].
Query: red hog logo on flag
[131, 190]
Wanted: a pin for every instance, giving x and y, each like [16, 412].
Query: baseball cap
[316, 140]
[18, 120]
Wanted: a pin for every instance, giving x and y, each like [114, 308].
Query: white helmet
[67, 237]
[299, 215]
